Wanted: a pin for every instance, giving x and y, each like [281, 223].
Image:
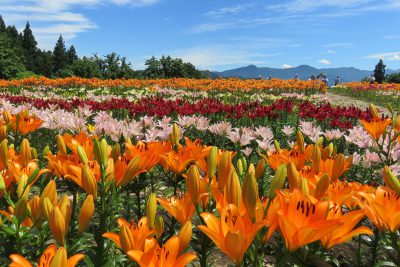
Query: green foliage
[29, 45]
[25, 74]
[113, 66]
[71, 55]
[60, 57]
[10, 62]
[168, 67]
[86, 68]
[393, 78]
[379, 72]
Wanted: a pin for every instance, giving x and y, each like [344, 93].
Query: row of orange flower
[366, 86]
[197, 84]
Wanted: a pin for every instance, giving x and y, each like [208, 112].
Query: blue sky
[220, 34]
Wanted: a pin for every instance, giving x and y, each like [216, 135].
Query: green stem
[100, 255]
[138, 202]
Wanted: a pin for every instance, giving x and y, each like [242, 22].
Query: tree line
[20, 57]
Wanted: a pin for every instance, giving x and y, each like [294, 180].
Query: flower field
[181, 172]
[377, 93]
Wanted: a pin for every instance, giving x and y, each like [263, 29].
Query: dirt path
[341, 100]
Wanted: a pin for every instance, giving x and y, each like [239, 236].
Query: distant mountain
[304, 71]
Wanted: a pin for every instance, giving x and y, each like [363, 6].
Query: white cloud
[286, 66]
[55, 17]
[324, 61]
[338, 45]
[391, 56]
[231, 10]
[331, 51]
[296, 6]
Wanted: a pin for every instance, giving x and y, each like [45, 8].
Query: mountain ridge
[346, 74]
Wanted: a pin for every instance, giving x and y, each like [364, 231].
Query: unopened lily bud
[244, 163]
[293, 175]
[82, 155]
[61, 145]
[151, 210]
[212, 159]
[20, 209]
[104, 152]
[60, 259]
[175, 135]
[33, 176]
[320, 141]
[131, 170]
[239, 166]
[4, 153]
[7, 116]
[185, 235]
[85, 213]
[334, 151]
[46, 151]
[34, 210]
[260, 169]
[338, 167]
[391, 180]
[300, 141]
[110, 170]
[322, 186]
[34, 153]
[47, 208]
[65, 207]
[3, 132]
[250, 192]
[57, 226]
[277, 146]
[373, 111]
[115, 152]
[159, 227]
[50, 192]
[278, 181]
[316, 159]
[126, 239]
[303, 186]
[224, 169]
[25, 152]
[23, 182]
[397, 123]
[193, 184]
[89, 182]
[2, 183]
[233, 191]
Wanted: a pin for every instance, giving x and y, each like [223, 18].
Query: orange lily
[25, 123]
[46, 260]
[382, 208]
[345, 232]
[302, 220]
[131, 236]
[168, 255]
[376, 127]
[232, 233]
[181, 207]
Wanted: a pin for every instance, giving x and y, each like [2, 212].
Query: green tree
[43, 63]
[60, 58]
[379, 72]
[29, 45]
[86, 68]
[153, 69]
[393, 78]
[2, 25]
[71, 54]
[10, 63]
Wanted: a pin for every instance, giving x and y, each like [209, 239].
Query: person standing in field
[337, 80]
[269, 77]
[296, 77]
